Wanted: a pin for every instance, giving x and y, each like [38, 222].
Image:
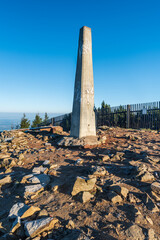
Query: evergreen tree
[25, 123]
[46, 117]
[37, 120]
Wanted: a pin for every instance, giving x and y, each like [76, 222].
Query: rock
[114, 197]
[46, 162]
[16, 224]
[147, 177]
[149, 203]
[140, 220]
[5, 155]
[43, 179]
[79, 161]
[135, 233]
[76, 235]
[152, 235]
[149, 220]
[33, 189]
[22, 210]
[70, 225]
[39, 170]
[156, 196]
[120, 190]
[86, 196]
[98, 171]
[132, 198]
[105, 158]
[83, 184]
[156, 187]
[5, 179]
[21, 157]
[43, 213]
[33, 228]
[56, 129]
[26, 177]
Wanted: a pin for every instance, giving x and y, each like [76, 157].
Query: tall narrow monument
[83, 115]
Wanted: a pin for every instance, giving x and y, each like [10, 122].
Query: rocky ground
[108, 191]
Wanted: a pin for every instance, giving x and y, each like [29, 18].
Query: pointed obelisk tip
[85, 27]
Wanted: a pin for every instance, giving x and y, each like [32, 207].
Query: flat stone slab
[33, 228]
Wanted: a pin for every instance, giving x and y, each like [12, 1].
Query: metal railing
[142, 115]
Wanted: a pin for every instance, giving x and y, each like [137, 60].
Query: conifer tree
[36, 121]
[46, 117]
[25, 123]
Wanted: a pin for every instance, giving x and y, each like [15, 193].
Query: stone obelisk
[83, 115]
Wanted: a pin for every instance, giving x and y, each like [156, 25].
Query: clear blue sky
[38, 51]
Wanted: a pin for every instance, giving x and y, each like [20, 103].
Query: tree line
[26, 123]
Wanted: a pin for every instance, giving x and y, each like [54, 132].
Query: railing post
[52, 121]
[128, 117]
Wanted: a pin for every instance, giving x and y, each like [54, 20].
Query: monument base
[69, 141]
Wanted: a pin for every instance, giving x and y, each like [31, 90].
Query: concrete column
[83, 116]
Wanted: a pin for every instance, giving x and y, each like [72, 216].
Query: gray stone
[5, 179]
[114, 197]
[33, 189]
[40, 178]
[46, 162]
[22, 210]
[120, 190]
[86, 196]
[39, 170]
[17, 210]
[155, 187]
[98, 170]
[83, 116]
[83, 184]
[33, 228]
[135, 233]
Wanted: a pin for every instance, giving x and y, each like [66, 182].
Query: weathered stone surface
[33, 189]
[152, 235]
[46, 162]
[39, 170]
[83, 115]
[155, 187]
[83, 184]
[22, 210]
[16, 224]
[86, 196]
[114, 197]
[40, 178]
[70, 224]
[135, 233]
[156, 196]
[5, 179]
[98, 170]
[147, 177]
[33, 228]
[120, 190]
